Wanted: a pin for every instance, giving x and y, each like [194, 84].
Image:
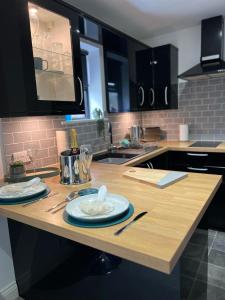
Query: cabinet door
[145, 79]
[165, 64]
[138, 75]
[56, 56]
[116, 72]
[161, 65]
[158, 162]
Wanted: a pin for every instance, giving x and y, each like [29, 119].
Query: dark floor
[203, 267]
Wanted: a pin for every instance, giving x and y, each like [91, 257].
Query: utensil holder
[74, 169]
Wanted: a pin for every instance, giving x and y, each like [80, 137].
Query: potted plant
[17, 169]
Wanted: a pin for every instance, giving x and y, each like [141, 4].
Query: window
[93, 79]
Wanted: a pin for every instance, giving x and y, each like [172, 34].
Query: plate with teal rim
[23, 201]
[24, 193]
[125, 216]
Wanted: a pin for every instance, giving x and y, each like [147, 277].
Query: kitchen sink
[118, 157]
[114, 157]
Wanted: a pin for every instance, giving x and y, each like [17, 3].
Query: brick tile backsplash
[39, 134]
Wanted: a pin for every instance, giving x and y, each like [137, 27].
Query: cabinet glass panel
[52, 51]
[117, 82]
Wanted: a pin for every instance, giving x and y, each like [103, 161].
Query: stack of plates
[122, 210]
[22, 192]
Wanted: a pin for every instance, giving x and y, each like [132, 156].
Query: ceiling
[146, 18]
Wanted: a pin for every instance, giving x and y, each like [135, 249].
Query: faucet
[111, 148]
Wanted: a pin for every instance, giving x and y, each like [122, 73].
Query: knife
[131, 222]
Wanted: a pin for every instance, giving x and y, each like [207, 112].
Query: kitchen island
[156, 241]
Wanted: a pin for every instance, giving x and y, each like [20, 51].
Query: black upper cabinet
[157, 77]
[165, 81]
[125, 84]
[41, 69]
[116, 72]
[137, 79]
[145, 75]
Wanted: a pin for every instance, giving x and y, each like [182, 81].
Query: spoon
[102, 193]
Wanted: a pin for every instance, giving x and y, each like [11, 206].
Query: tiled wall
[40, 133]
[121, 123]
[201, 105]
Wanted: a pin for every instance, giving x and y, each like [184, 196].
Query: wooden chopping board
[157, 178]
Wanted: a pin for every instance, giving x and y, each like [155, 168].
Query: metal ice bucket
[75, 169]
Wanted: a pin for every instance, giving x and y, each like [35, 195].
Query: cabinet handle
[81, 91]
[142, 95]
[198, 154]
[150, 165]
[197, 169]
[153, 96]
[166, 95]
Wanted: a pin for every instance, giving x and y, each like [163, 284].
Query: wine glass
[32, 153]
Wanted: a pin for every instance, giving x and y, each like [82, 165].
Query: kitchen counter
[155, 241]
[165, 146]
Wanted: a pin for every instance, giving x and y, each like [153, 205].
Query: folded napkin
[97, 204]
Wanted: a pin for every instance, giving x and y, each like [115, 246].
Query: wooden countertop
[174, 146]
[156, 241]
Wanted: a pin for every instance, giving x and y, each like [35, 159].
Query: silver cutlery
[55, 211]
[68, 198]
[45, 197]
[131, 222]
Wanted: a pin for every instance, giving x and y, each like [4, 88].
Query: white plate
[120, 204]
[17, 191]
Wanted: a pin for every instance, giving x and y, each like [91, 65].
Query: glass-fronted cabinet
[52, 54]
[41, 59]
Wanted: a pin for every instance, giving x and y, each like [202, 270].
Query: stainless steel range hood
[212, 44]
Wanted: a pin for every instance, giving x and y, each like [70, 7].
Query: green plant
[17, 163]
[98, 115]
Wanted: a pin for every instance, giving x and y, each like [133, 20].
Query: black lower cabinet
[158, 162]
[214, 217]
[207, 163]
[49, 267]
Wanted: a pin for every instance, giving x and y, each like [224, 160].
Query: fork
[68, 198]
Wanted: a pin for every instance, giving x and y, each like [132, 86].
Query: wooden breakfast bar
[156, 241]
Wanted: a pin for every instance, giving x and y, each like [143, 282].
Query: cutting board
[157, 178]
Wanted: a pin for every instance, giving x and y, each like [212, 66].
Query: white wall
[8, 287]
[188, 42]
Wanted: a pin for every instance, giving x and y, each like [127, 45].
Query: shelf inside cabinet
[53, 73]
[37, 49]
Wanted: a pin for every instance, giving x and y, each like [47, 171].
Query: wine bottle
[73, 142]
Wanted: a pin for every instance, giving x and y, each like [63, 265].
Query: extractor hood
[212, 43]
